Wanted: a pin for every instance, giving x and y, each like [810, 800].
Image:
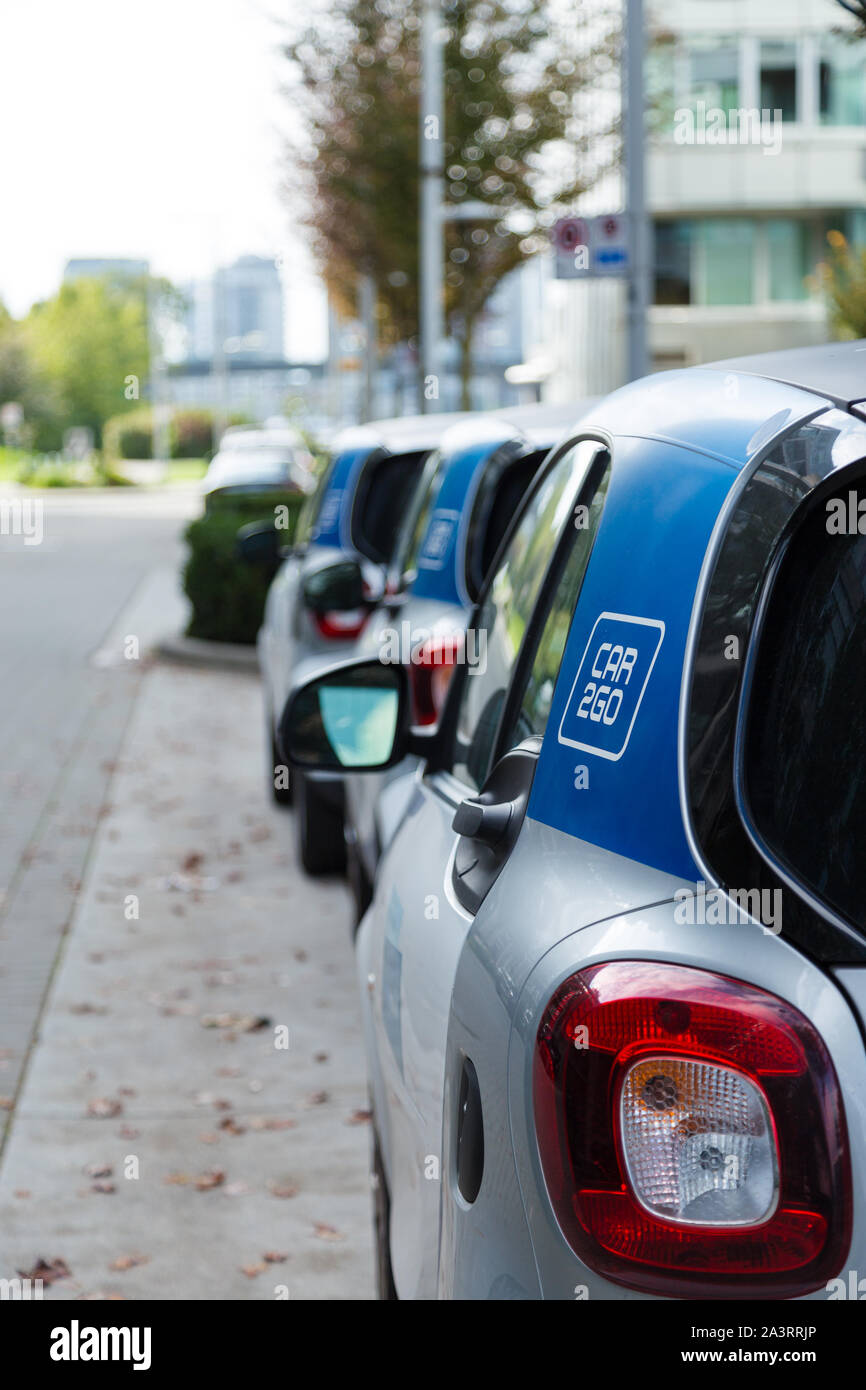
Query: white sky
[150, 130]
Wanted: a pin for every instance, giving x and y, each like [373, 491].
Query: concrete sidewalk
[164, 1144]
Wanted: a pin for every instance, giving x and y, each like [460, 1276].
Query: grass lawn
[186, 470]
[10, 462]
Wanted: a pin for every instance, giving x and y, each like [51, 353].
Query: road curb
[195, 651]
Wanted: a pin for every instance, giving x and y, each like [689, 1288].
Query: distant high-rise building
[240, 304]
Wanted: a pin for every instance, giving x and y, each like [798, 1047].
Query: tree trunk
[466, 364]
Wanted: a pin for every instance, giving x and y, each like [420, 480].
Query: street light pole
[638, 288]
[432, 136]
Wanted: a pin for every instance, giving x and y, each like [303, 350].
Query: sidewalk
[163, 1146]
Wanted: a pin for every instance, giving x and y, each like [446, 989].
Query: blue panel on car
[442, 559]
[331, 526]
[608, 765]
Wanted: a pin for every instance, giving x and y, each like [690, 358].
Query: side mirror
[355, 716]
[260, 543]
[338, 587]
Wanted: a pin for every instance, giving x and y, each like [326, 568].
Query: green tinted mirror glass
[347, 719]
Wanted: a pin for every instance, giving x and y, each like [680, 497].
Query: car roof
[835, 370]
[403, 434]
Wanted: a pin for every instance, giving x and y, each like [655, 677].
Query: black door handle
[482, 820]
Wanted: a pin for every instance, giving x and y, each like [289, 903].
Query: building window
[717, 261]
[841, 82]
[713, 72]
[724, 260]
[779, 78]
[788, 247]
[673, 251]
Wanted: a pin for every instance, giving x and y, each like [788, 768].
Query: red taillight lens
[691, 1133]
[341, 625]
[430, 672]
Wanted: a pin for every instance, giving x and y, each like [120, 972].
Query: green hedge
[228, 594]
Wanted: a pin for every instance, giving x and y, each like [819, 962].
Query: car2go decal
[331, 527]
[610, 683]
[609, 775]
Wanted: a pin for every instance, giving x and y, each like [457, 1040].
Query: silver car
[614, 970]
[473, 485]
[324, 591]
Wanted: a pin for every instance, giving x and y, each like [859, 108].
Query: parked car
[258, 461]
[613, 971]
[473, 485]
[325, 588]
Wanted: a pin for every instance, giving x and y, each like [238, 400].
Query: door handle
[483, 820]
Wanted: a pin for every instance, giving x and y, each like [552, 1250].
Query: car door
[411, 938]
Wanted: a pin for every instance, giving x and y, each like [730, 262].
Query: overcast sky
[150, 130]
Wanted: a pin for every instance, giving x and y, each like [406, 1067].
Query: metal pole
[639, 280]
[432, 189]
[159, 407]
[367, 298]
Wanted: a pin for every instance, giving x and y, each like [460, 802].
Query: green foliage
[518, 83]
[192, 434]
[228, 594]
[843, 278]
[91, 342]
[129, 436]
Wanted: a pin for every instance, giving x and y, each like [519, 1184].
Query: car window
[409, 545]
[383, 495]
[508, 606]
[805, 739]
[503, 487]
[310, 510]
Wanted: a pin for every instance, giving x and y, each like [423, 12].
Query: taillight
[691, 1133]
[430, 672]
[341, 625]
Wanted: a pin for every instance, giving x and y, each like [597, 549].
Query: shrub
[228, 594]
[129, 436]
[192, 434]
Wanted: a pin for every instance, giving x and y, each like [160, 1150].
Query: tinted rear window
[805, 741]
[384, 493]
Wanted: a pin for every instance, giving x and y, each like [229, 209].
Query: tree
[91, 342]
[517, 80]
[843, 278]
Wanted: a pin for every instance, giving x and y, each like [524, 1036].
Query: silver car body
[593, 872]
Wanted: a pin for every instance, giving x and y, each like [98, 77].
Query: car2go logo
[613, 674]
[436, 546]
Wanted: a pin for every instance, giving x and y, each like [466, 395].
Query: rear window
[804, 764]
[502, 489]
[384, 493]
[310, 510]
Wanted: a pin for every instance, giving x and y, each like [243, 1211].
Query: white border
[624, 618]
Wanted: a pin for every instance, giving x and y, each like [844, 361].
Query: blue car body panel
[333, 525]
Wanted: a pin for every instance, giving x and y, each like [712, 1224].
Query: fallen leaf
[360, 1117]
[214, 1178]
[193, 862]
[105, 1108]
[22, 1192]
[317, 1098]
[6, 1102]
[323, 1231]
[177, 1179]
[101, 1186]
[98, 1170]
[128, 1261]
[321, 1056]
[231, 1126]
[49, 1271]
[252, 1271]
[271, 1122]
[282, 1189]
[275, 1257]
[88, 1009]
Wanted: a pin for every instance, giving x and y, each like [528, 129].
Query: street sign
[571, 248]
[586, 247]
[609, 245]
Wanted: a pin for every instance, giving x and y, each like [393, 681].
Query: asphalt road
[62, 718]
